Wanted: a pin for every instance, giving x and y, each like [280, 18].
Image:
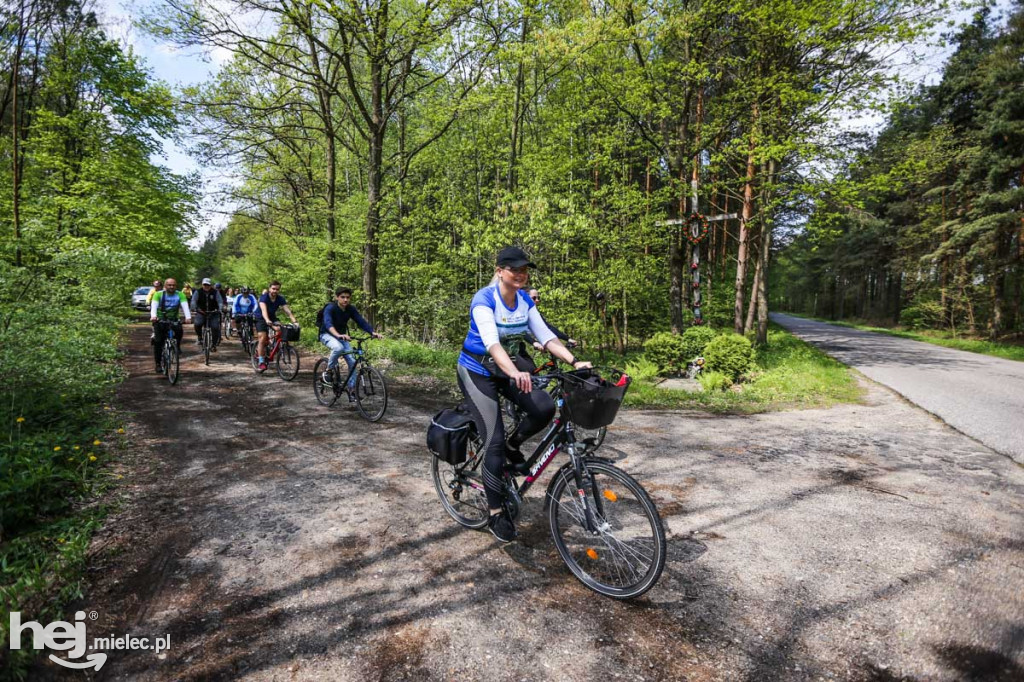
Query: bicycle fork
[591, 505]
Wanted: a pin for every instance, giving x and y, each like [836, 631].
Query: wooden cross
[695, 227]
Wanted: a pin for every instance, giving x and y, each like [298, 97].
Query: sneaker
[326, 377]
[214, 349]
[263, 367]
[351, 394]
[501, 526]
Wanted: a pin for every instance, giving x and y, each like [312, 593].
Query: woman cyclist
[500, 315]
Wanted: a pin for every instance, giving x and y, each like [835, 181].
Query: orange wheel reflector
[611, 495]
[592, 554]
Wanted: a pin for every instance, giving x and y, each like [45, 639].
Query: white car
[139, 298]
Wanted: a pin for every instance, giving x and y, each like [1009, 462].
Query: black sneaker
[326, 377]
[501, 526]
[351, 394]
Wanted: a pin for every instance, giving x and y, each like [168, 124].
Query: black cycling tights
[482, 399]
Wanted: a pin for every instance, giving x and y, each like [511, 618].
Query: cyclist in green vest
[167, 306]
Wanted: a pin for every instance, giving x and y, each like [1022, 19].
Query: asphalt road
[979, 395]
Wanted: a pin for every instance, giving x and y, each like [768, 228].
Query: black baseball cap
[514, 257]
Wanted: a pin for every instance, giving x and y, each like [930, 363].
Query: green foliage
[714, 381]
[695, 339]
[668, 351]
[730, 354]
[921, 226]
[923, 314]
[96, 219]
[642, 369]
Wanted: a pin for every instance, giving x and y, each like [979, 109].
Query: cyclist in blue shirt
[267, 318]
[500, 316]
[334, 333]
[245, 304]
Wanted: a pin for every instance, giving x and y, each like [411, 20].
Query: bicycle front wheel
[253, 356]
[171, 362]
[207, 343]
[371, 393]
[461, 489]
[324, 391]
[624, 553]
[287, 362]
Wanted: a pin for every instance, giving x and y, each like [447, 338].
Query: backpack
[448, 434]
[320, 316]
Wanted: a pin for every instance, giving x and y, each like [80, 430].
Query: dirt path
[275, 539]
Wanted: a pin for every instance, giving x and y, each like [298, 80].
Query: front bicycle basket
[593, 402]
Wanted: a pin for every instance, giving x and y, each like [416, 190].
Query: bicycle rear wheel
[170, 361]
[625, 555]
[461, 488]
[287, 362]
[371, 393]
[207, 343]
[326, 393]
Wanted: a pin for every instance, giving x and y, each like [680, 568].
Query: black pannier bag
[593, 402]
[448, 435]
[290, 332]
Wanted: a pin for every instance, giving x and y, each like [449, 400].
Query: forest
[395, 145]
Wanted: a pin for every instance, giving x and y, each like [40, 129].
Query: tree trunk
[516, 105]
[747, 215]
[762, 269]
[16, 173]
[748, 324]
[373, 195]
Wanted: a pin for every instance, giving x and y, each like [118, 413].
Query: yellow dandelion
[60, 540]
[71, 459]
[120, 430]
[92, 458]
[97, 442]
[57, 449]
[20, 419]
[76, 448]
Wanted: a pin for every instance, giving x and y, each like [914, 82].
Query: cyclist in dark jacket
[206, 305]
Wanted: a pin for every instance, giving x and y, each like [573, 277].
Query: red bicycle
[281, 352]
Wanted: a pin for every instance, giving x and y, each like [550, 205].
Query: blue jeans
[338, 348]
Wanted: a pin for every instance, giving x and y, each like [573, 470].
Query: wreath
[698, 228]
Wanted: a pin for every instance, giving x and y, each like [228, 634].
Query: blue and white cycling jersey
[244, 305]
[491, 322]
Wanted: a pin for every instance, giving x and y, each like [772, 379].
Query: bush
[714, 381]
[667, 351]
[696, 339]
[730, 354]
[923, 315]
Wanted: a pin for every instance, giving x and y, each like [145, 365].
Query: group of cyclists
[493, 361]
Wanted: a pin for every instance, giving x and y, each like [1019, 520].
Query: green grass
[1009, 351]
[789, 374]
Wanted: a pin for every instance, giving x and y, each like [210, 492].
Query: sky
[188, 67]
